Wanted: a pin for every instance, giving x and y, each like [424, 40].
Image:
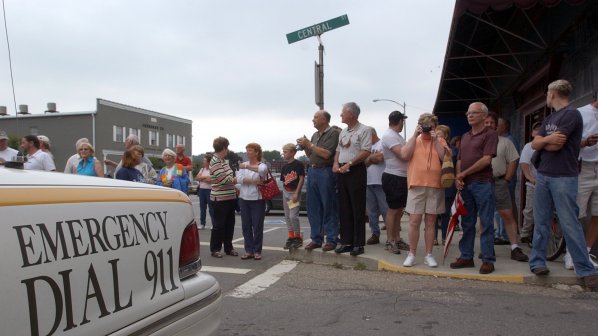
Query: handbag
[269, 188]
[447, 174]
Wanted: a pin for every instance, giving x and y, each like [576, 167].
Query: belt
[340, 164]
[499, 177]
[314, 165]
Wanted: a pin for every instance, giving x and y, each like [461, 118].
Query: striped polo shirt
[223, 188]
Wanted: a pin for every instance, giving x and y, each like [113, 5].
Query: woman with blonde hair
[88, 164]
[252, 173]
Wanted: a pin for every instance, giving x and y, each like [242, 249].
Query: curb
[370, 262]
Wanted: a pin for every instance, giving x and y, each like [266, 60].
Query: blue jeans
[322, 205]
[564, 191]
[376, 205]
[252, 223]
[499, 231]
[479, 200]
[204, 202]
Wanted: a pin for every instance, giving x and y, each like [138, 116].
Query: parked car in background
[96, 256]
[275, 204]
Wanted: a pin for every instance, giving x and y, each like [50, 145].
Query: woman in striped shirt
[223, 197]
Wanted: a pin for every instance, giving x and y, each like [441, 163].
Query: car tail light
[189, 262]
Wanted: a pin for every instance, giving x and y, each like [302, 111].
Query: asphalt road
[279, 297]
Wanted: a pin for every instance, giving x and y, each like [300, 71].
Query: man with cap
[36, 158]
[394, 181]
[44, 145]
[6, 153]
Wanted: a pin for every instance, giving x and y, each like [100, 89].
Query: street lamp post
[404, 106]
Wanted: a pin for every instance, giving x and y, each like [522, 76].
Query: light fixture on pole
[404, 106]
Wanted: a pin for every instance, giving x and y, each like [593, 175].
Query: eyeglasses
[471, 113]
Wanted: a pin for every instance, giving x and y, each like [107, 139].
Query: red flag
[457, 210]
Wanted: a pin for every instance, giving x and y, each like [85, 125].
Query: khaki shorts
[502, 195]
[587, 193]
[421, 200]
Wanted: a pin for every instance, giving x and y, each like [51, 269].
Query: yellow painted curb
[382, 265]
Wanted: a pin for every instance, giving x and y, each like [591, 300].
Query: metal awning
[495, 45]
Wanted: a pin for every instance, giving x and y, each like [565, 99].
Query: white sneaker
[410, 260]
[430, 261]
[568, 261]
[593, 263]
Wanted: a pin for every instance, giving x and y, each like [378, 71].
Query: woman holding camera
[425, 151]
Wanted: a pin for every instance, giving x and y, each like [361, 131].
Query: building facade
[106, 128]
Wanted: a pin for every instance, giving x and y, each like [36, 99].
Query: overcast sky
[226, 64]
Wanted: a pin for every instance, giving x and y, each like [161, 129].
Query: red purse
[269, 188]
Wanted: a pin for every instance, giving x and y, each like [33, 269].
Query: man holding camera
[321, 182]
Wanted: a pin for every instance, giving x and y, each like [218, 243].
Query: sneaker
[410, 260]
[387, 245]
[297, 242]
[517, 254]
[288, 244]
[374, 239]
[568, 261]
[394, 248]
[401, 245]
[592, 257]
[430, 261]
[500, 241]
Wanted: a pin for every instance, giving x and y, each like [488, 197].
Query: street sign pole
[317, 30]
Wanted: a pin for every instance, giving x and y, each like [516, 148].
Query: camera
[426, 128]
[299, 147]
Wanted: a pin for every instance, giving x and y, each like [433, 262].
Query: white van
[96, 256]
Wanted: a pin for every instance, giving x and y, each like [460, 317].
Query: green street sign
[317, 29]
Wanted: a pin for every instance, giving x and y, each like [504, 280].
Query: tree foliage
[272, 155]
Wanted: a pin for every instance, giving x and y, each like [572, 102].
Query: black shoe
[540, 271]
[297, 242]
[357, 251]
[344, 249]
[288, 244]
[518, 255]
[500, 241]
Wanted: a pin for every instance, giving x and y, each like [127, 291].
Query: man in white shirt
[587, 195]
[375, 198]
[529, 171]
[36, 158]
[6, 153]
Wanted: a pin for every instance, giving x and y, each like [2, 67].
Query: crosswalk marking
[231, 270]
[264, 280]
[265, 231]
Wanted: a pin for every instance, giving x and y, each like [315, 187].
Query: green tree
[271, 155]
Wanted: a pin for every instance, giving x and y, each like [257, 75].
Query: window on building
[119, 133]
[135, 131]
[179, 140]
[170, 140]
[154, 138]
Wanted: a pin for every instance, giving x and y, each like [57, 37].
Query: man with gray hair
[354, 146]
[474, 180]
[558, 146]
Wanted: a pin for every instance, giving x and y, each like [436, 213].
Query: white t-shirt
[526, 156]
[71, 164]
[8, 154]
[375, 170]
[40, 160]
[394, 165]
[589, 114]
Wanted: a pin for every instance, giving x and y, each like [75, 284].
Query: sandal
[232, 253]
[216, 254]
[257, 256]
[247, 256]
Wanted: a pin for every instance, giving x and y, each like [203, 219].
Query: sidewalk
[377, 258]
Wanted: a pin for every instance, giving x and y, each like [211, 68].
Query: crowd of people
[352, 172]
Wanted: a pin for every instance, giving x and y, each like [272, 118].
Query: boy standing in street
[292, 176]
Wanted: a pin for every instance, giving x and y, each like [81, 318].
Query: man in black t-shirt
[558, 144]
[292, 176]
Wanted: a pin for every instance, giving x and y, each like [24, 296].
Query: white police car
[97, 256]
